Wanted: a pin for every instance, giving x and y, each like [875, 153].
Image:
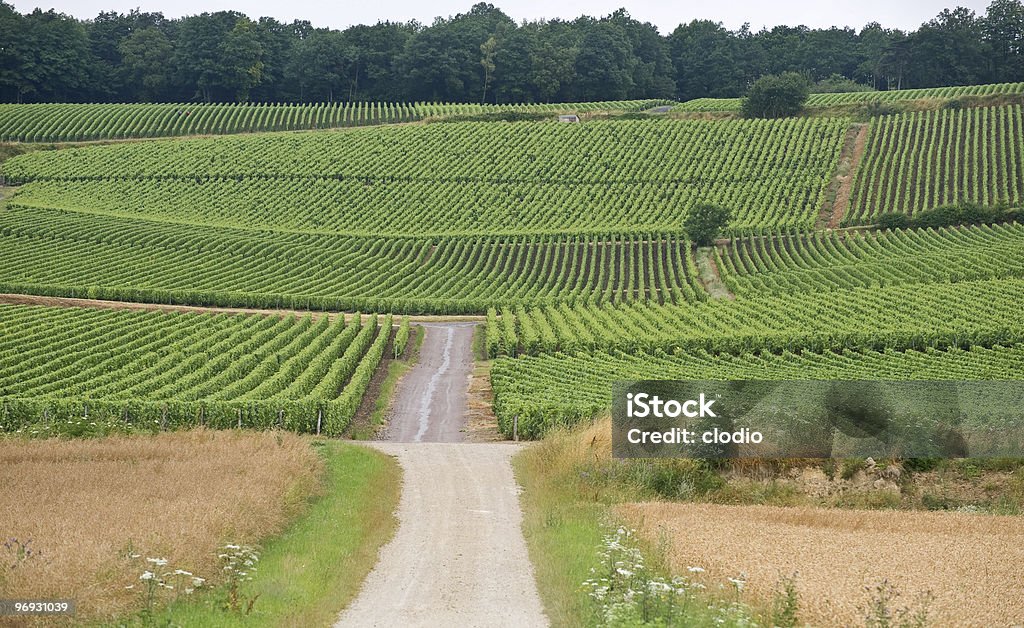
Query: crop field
[839, 557]
[63, 370]
[839, 260]
[922, 160]
[90, 122]
[816, 101]
[558, 389]
[436, 180]
[179, 496]
[60, 253]
[984, 312]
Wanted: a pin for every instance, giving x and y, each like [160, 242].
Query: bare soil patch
[842, 184]
[709, 275]
[481, 422]
[85, 505]
[970, 563]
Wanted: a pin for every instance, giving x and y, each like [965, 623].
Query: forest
[482, 55]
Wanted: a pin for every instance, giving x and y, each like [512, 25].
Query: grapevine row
[91, 122]
[923, 160]
[455, 178]
[168, 370]
[550, 390]
[833, 260]
[71, 254]
[909, 316]
[851, 98]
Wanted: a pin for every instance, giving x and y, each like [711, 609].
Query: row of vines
[91, 122]
[852, 98]
[456, 178]
[95, 256]
[835, 260]
[155, 370]
[555, 389]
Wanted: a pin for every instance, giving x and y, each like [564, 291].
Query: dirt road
[430, 402]
[459, 557]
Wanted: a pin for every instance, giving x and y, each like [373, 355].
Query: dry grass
[970, 563]
[481, 422]
[177, 496]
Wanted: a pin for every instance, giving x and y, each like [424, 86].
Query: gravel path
[458, 558]
[430, 402]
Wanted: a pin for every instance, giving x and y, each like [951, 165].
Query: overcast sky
[666, 14]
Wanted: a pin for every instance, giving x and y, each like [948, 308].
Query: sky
[665, 14]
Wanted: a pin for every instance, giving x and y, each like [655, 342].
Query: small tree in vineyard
[705, 222]
[774, 96]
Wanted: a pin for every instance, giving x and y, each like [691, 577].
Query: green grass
[563, 531]
[311, 572]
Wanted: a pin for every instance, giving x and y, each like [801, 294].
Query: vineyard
[839, 260]
[550, 390]
[80, 123]
[919, 161]
[68, 254]
[983, 313]
[598, 177]
[164, 370]
[819, 101]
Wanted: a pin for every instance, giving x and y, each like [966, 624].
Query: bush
[774, 96]
[705, 221]
[839, 84]
[893, 220]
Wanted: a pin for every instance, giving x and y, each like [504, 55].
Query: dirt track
[430, 403]
[459, 557]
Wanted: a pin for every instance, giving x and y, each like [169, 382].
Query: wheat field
[83, 507]
[970, 563]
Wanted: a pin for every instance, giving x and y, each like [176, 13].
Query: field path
[459, 557]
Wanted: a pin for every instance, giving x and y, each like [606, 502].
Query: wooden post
[515, 428]
[239, 418]
[319, 419]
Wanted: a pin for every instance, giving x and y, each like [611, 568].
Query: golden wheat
[972, 564]
[179, 496]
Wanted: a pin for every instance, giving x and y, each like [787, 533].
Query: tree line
[480, 56]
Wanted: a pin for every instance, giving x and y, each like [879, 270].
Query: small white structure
[569, 117]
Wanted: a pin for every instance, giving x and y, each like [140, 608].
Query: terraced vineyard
[557, 389]
[70, 254]
[152, 369]
[838, 260]
[90, 122]
[911, 316]
[818, 101]
[599, 177]
[919, 161]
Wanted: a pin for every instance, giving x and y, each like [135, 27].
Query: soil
[709, 275]
[842, 185]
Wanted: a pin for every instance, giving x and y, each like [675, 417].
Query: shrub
[893, 220]
[705, 221]
[774, 96]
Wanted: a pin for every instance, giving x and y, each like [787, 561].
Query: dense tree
[776, 96]
[479, 55]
